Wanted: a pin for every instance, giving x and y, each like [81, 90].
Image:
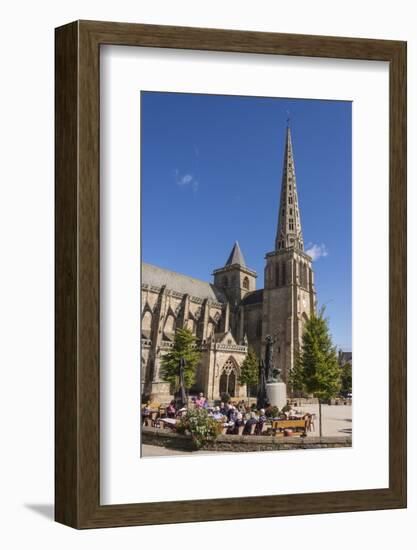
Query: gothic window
[291, 224]
[290, 200]
[228, 379]
[191, 325]
[246, 283]
[147, 325]
[224, 281]
[290, 211]
[169, 328]
[210, 330]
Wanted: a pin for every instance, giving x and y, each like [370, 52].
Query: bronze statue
[272, 374]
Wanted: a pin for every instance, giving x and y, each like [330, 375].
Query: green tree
[184, 346]
[296, 378]
[249, 371]
[319, 368]
[346, 378]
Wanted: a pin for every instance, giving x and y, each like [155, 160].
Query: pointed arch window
[147, 325]
[246, 283]
[228, 378]
[169, 328]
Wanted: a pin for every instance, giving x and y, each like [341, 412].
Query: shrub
[200, 425]
[272, 412]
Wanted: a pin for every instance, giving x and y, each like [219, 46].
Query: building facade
[230, 314]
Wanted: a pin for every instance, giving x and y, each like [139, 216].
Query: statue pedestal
[277, 394]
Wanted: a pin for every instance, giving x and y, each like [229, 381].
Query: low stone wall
[241, 443]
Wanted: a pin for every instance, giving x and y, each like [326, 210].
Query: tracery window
[228, 379]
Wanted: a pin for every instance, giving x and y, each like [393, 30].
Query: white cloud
[186, 180]
[317, 251]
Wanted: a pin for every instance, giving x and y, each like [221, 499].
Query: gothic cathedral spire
[289, 234]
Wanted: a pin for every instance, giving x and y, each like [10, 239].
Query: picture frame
[77, 272]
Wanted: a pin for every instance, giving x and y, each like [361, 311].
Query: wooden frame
[77, 373]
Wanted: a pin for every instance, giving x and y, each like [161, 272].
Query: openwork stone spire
[289, 234]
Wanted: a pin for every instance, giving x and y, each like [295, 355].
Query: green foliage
[272, 412]
[184, 346]
[296, 377]
[318, 369]
[249, 371]
[346, 378]
[200, 425]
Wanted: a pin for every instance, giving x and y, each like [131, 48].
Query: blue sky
[211, 171]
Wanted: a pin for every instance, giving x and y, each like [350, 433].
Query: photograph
[246, 274]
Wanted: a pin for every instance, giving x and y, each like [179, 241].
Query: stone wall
[241, 443]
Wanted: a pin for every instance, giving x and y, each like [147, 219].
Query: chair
[154, 417]
[311, 423]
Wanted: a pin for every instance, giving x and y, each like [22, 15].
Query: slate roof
[158, 276]
[255, 297]
[236, 256]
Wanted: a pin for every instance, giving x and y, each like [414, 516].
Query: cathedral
[230, 314]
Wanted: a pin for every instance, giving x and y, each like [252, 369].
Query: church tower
[289, 296]
[235, 279]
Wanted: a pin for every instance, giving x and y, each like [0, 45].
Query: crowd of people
[236, 418]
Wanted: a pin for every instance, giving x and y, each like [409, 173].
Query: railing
[230, 347]
[164, 345]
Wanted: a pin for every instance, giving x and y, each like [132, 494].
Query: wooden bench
[280, 425]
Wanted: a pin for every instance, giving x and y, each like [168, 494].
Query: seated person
[146, 413]
[261, 421]
[171, 410]
[232, 413]
[249, 423]
[200, 401]
[223, 409]
[217, 415]
[241, 406]
[239, 422]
